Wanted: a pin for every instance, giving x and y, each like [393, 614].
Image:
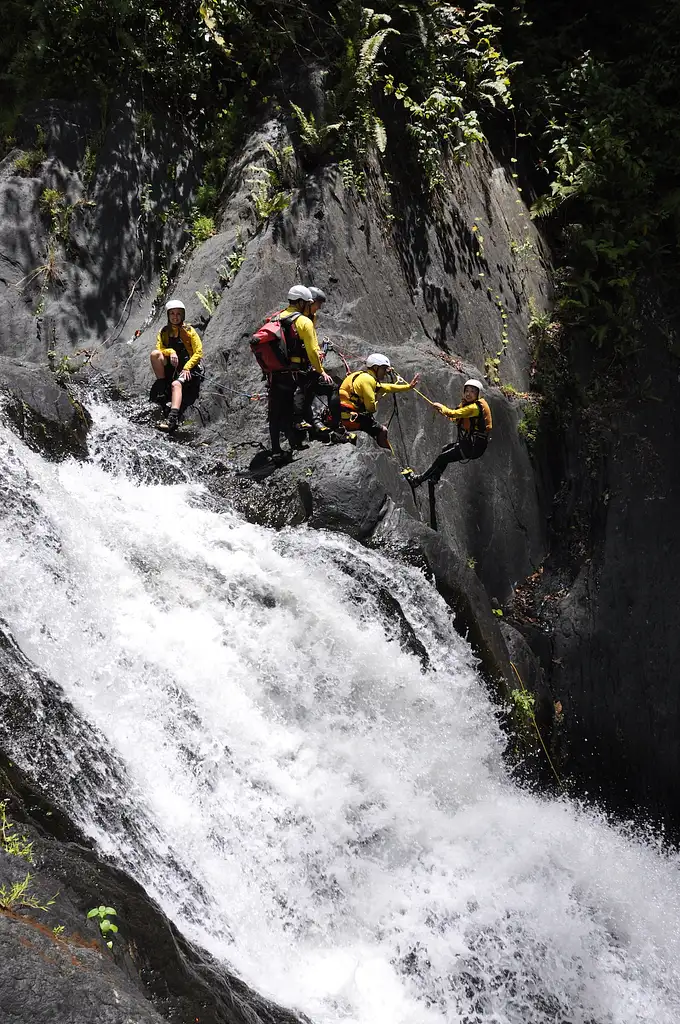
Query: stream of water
[310, 794]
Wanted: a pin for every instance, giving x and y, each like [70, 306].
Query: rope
[538, 732]
[217, 389]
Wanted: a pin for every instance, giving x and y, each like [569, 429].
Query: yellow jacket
[474, 418]
[306, 332]
[362, 392]
[188, 338]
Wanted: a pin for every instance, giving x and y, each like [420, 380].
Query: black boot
[160, 390]
[173, 420]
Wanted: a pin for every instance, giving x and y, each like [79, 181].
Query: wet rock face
[45, 415]
[151, 973]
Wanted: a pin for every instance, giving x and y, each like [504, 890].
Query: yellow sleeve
[196, 348]
[160, 346]
[389, 388]
[307, 333]
[463, 412]
[364, 387]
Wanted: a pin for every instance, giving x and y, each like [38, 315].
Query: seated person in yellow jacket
[473, 417]
[360, 393]
[176, 361]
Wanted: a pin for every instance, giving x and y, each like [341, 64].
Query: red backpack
[271, 343]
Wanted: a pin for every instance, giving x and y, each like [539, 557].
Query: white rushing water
[299, 793]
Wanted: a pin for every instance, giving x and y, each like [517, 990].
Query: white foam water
[308, 792]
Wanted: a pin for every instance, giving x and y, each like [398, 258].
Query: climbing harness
[531, 714]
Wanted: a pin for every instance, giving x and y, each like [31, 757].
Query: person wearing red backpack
[302, 355]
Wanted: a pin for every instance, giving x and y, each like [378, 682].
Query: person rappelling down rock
[473, 417]
[176, 361]
[360, 393]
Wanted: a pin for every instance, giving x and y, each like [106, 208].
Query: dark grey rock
[47, 416]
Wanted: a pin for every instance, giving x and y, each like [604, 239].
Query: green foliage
[272, 183]
[235, 260]
[58, 930]
[602, 107]
[210, 301]
[55, 204]
[89, 166]
[460, 71]
[106, 927]
[19, 896]
[202, 228]
[527, 427]
[206, 198]
[11, 841]
[524, 704]
[316, 138]
[47, 276]
[61, 366]
[28, 164]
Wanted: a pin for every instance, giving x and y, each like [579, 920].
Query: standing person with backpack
[286, 346]
[313, 388]
[176, 361]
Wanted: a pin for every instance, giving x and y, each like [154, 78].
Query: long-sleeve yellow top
[188, 337]
[475, 416]
[307, 334]
[363, 392]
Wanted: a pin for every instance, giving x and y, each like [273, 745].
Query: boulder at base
[46, 416]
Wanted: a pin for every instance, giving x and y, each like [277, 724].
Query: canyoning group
[303, 400]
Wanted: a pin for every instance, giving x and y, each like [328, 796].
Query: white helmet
[299, 293]
[472, 383]
[377, 359]
[175, 304]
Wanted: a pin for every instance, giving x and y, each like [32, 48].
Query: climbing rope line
[535, 723]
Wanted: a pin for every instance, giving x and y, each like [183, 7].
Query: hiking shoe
[173, 420]
[322, 433]
[412, 477]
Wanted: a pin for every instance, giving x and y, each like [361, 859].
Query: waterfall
[285, 741]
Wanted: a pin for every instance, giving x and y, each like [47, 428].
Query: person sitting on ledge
[473, 417]
[176, 361]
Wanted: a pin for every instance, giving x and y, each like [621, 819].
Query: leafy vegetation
[11, 841]
[106, 926]
[19, 896]
[598, 95]
[202, 228]
[272, 182]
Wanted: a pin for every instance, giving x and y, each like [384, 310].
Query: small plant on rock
[28, 163]
[11, 841]
[202, 228]
[210, 301]
[106, 927]
[19, 895]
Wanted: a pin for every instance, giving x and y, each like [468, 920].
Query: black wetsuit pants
[280, 411]
[316, 401]
[464, 448]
